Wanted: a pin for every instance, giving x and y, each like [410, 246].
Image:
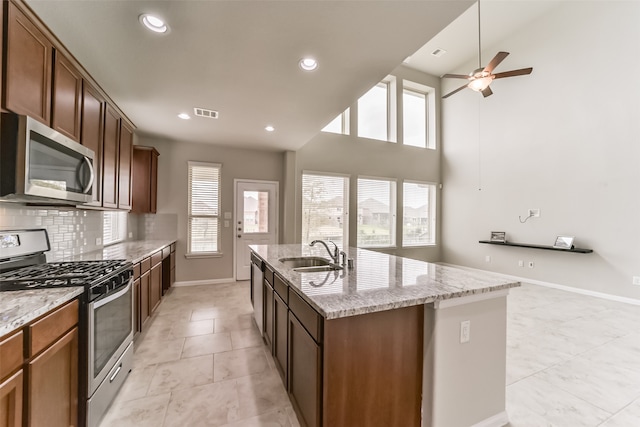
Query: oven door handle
[110, 298]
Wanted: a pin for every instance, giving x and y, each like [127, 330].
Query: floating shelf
[528, 245]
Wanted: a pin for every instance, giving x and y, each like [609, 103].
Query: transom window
[340, 124]
[373, 113]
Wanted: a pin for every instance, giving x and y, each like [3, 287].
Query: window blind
[376, 212]
[325, 204]
[418, 214]
[204, 207]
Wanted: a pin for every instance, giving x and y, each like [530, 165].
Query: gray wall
[564, 140]
[172, 195]
[353, 156]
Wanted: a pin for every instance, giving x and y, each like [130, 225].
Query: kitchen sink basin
[319, 268]
[305, 262]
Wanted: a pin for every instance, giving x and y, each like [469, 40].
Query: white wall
[564, 139]
[172, 195]
[353, 156]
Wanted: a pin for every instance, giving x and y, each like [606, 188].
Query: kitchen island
[392, 341]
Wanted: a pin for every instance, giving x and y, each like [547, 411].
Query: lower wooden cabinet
[280, 339]
[155, 287]
[267, 311]
[11, 401]
[305, 374]
[145, 313]
[52, 392]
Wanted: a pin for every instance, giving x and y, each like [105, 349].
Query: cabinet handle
[115, 374]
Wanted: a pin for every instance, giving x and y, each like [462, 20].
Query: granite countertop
[133, 251]
[18, 308]
[377, 282]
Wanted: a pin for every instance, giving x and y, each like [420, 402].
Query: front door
[256, 220]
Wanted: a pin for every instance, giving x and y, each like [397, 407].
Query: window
[414, 118]
[418, 219]
[204, 208]
[340, 124]
[325, 201]
[376, 213]
[373, 113]
[114, 227]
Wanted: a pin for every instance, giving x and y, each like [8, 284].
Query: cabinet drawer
[173, 260]
[173, 247]
[165, 252]
[11, 354]
[310, 319]
[281, 288]
[268, 274]
[136, 271]
[156, 258]
[146, 265]
[48, 329]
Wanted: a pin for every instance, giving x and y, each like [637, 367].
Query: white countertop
[377, 282]
[18, 308]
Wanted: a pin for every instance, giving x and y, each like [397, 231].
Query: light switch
[226, 224]
[227, 215]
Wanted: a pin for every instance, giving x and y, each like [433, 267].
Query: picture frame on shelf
[564, 242]
[498, 237]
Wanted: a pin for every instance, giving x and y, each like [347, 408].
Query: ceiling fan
[480, 79]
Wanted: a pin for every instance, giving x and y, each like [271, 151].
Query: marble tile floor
[572, 360]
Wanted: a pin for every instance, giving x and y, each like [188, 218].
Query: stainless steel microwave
[39, 164]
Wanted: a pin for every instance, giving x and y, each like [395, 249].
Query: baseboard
[203, 282]
[498, 420]
[552, 285]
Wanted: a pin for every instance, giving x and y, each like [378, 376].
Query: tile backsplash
[71, 231]
[74, 232]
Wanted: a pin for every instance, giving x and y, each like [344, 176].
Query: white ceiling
[241, 57]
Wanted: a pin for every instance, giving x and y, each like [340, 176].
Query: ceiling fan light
[481, 83]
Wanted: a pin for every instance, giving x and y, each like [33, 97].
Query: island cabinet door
[280, 322]
[267, 323]
[304, 374]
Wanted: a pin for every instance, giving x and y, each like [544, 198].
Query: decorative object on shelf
[532, 246]
[564, 242]
[498, 236]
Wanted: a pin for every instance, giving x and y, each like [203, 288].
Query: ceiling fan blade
[512, 73]
[455, 76]
[487, 91]
[455, 91]
[496, 61]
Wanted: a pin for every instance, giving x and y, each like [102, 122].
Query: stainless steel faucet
[336, 252]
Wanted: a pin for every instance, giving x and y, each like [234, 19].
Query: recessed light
[153, 23]
[269, 128]
[184, 116]
[308, 64]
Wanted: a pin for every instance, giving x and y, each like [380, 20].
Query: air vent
[203, 112]
[438, 52]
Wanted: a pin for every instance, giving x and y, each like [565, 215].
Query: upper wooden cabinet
[28, 66]
[67, 97]
[145, 179]
[124, 166]
[110, 158]
[93, 107]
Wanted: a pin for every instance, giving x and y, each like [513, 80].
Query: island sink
[305, 261]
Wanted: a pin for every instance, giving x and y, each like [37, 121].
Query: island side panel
[464, 383]
[373, 369]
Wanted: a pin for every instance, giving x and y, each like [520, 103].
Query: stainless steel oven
[40, 164]
[106, 314]
[110, 347]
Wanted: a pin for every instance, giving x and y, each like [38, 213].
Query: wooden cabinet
[28, 63]
[52, 392]
[145, 313]
[125, 156]
[155, 287]
[91, 135]
[110, 158]
[145, 179]
[11, 400]
[67, 97]
[11, 380]
[280, 339]
[305, 374]
[267, 324]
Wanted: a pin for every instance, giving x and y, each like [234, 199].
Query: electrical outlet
[465, 331]
[226, 224]
[520, 263]
[131, 235]
[98, 241]
[534, 213]
[530, 264]
[487, 258]
[636, 280]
